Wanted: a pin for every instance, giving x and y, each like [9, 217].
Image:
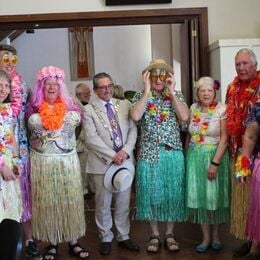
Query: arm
[129, 145]
[138, 110]
[222, 146]
[182, 110]
[249, 142]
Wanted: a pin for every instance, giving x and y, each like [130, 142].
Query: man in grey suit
[110, 141]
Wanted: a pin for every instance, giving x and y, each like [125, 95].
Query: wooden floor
[188, 236]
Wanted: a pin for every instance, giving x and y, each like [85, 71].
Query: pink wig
[37, 96]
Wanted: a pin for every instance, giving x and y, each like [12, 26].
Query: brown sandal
[50, 252]
[170, 243]
[154, 244]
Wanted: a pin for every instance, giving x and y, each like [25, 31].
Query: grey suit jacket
[98, 138]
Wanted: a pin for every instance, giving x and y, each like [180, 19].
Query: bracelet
[214, 163]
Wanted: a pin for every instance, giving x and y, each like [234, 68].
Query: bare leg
[169, 228]
[154, 227]
[206, 234]
[215, 234]
[27, 230]
[255, 249]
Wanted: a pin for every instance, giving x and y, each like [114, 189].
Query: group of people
[116, 142]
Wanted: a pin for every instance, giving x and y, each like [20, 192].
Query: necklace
[108, 127]
[52, 119]
[16, 83]
[200, 124]
[240, 99]
[160, 110]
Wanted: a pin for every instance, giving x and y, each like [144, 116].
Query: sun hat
[159, 64]
[119, 178]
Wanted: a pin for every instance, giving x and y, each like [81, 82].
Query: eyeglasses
[10, 59]
[109, 86]
[162, 76]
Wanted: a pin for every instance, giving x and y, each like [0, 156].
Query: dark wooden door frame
[110, 18]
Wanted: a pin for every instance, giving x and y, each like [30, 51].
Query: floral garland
[240, 99]
[16, 90]
[52, 119]
[242, 168]
[159, 113]
[201, 125]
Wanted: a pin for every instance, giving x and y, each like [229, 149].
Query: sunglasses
[10, 59]
[162, 76]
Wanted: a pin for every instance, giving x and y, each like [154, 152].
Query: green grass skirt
[160, 188]
[208, 202]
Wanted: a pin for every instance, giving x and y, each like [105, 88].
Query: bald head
[82, 92]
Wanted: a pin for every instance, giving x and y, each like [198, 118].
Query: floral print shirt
[154, 134]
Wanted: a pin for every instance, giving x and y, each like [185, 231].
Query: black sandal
[50, 254]
[78, 254]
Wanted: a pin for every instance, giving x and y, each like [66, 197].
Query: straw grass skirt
[239, 206]
[10, 196]
[57, 197]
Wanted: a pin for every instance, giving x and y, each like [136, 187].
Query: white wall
[121, 51]
[233, 19]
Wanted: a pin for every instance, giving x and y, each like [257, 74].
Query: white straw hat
[119, 178]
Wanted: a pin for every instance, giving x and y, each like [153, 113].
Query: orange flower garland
[52, 119]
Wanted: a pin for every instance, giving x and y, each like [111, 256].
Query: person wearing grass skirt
[159, 111]
[207, 165]
[248, 170]
[57, 191]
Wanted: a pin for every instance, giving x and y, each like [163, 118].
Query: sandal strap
[72, 246]
[79, 252]
[48, 249]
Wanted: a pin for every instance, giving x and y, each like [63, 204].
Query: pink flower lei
[16, 93]
[159, 113]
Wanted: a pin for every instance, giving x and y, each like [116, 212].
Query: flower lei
[50, 72]
[239, 102]
[16, 96]
[52, 119]
[201, 125]
[159, 112]
[242, 167]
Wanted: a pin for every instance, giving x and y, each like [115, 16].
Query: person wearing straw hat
[160, 109]
[110, 135]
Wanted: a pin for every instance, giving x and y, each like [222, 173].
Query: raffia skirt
[208, 202]
[160, 188]
[57, 197]
[253, 218]
[239, 205]
[10, 196]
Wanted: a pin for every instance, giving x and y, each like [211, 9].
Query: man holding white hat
[110, 137]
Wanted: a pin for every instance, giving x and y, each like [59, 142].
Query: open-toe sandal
[50, 252]
[78, 253]
[154, 244]
[170, 243]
